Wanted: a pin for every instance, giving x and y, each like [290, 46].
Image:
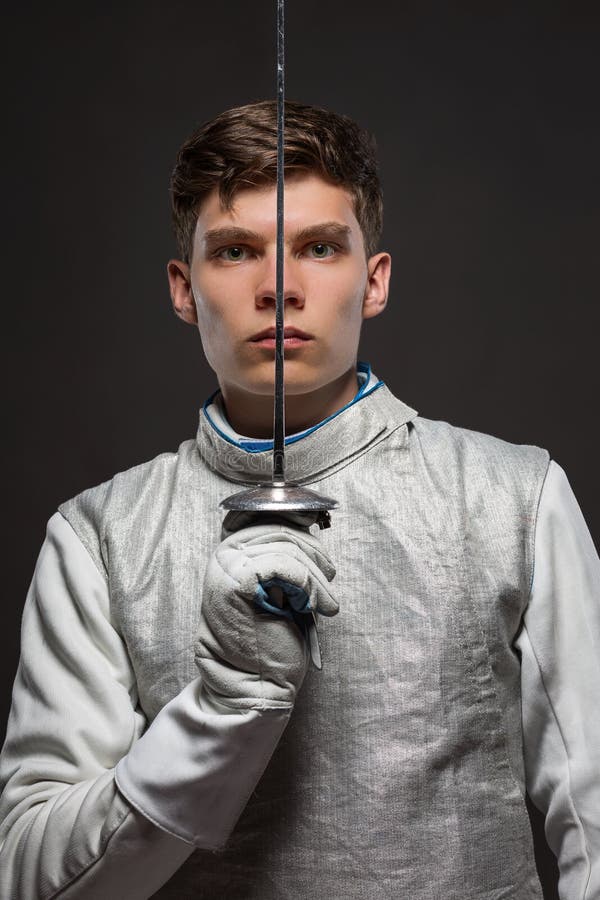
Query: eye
[232, 254]
[321, 251]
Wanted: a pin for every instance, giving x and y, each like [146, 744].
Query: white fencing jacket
[117, 780]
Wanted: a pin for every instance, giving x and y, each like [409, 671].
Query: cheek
[212, 312]
[342, 290]
[218, 289]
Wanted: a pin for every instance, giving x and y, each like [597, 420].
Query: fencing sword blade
[279, 495]
[279, 386]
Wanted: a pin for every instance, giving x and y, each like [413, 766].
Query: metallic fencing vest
[400, 774]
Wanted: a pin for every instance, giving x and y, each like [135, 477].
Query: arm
[68, 830]
[560, 679]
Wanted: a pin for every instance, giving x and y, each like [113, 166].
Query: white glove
[250, 657]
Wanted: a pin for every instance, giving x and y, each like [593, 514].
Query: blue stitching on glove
[296, 597]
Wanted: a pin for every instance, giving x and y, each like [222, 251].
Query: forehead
[308, 199]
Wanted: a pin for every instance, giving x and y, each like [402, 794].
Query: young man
[160, 714]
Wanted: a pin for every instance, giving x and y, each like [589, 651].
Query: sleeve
[560, 679]
[70, 827]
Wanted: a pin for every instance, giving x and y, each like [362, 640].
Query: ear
[182, 296]
[379, 270]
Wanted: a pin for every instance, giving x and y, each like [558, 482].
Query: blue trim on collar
[260, 445]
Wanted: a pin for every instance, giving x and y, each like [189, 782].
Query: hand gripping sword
[280, 495]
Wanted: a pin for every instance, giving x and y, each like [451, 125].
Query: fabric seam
[533, 531]
[567, 767]
[550, 704]
[93, 861]
[187, 839]
[85, 544]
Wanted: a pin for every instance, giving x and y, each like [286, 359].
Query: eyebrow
[229, 235]
[232, 234]
[324, 230]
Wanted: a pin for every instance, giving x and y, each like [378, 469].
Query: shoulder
[137, 488]
[481, 465]
[477, 446]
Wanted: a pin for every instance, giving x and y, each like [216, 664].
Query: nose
[266, 289]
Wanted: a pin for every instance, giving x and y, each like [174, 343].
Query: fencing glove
[250, 649]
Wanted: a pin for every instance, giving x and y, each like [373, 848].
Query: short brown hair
[238, 149]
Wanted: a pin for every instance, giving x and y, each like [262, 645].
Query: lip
[288, 332]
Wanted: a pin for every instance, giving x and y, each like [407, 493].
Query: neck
[251, 415]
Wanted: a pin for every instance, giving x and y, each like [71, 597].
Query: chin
[297, 380]
[291, 387]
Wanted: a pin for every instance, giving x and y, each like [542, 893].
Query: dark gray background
[487, 121]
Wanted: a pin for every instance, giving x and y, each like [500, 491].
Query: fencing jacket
[461, 671]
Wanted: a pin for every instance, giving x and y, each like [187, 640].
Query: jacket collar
[311, 455]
